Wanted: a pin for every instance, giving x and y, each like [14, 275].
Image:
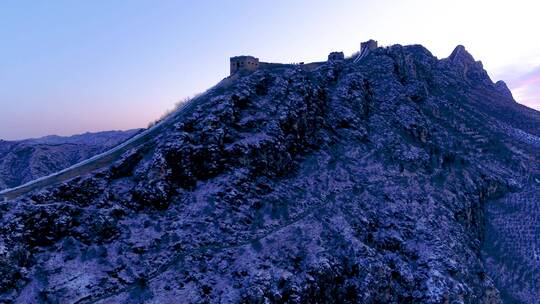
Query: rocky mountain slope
[25, 160]
[348, 183]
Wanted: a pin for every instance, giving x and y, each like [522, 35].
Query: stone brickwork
[369, 45]
[244, 63]
[336, 56]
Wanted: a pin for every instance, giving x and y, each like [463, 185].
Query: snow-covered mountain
[25, 160]
[402, 178]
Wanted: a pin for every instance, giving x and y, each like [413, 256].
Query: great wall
[248, 63]
[238, 64]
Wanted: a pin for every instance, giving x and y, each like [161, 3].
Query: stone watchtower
[368, 45]
[336, 56]
[244, 63]
[365, 49]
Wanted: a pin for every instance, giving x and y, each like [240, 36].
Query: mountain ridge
[22, 161]
[359, 183]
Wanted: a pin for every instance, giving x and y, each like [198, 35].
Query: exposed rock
[358, 183]
[504, 90]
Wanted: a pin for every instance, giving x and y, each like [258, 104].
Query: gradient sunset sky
[68, 67]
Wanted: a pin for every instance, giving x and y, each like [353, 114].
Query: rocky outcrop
[504, 90]
[354, 183]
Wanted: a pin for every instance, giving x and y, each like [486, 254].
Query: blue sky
[68, 67]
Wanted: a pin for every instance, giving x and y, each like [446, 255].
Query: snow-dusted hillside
[25, 160]
[368, 182]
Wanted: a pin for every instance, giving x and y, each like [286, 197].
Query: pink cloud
[529, 81]
[526, 87]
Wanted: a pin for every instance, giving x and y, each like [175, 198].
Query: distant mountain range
[25, 160]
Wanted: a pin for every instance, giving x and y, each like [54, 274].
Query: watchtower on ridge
[244, 63]
[368, 45]
[336, 56]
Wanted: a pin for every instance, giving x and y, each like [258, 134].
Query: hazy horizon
[74, 67]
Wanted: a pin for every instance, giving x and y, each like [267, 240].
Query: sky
[68, 67]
